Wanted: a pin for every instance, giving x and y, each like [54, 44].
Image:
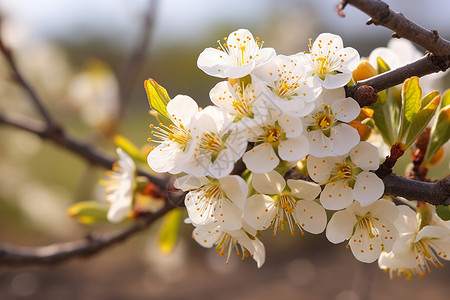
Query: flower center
[273, 134]
[344, 171]
[322, 67]
[285, 205]
[175, 133]
[211, 143]
[226, 243]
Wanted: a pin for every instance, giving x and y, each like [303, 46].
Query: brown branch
[436, 193]
[137, 57]
[85, 151]
[380, 14]
[92, 244]
[437, 60]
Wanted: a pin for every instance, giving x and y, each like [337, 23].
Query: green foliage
[411, 95]
[168, 232]
[440, 133]
[157, 96]
[443, 212]
[88, 212]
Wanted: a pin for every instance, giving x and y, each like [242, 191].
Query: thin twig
[92, 244]
[137, 57]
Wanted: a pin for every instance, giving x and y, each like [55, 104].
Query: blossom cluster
[270, 115]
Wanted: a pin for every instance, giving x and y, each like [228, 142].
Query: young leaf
[440, 133]
[421, 120]
[157, 96]
[382, 66]
[88, 212]
[443, 212]
[445, 98]
[168, 232]
[427, 99]
[411, 96]
[129, 148]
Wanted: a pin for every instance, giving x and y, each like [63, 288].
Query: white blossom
[119, 187]
[330, 61]
[277, 206]
[347, 177]
[236, 57]
[325, 127]
[369, 229]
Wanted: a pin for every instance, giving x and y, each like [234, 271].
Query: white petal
[344, 137]
[119, 209]
[239, 71]
[213, 62]
[206, 237]
[431, 231]
[407, 220]
[368, 188]
[346, 109]
[340, 226]
[337, 80]
[264, 56]
[235, 188]
[228, 215]
[261, 158]
[223, 95]
[271, 183]
[164, 158]
[351, 57]
[319, 169]
[254, 246]
[336, 195]
[310, 216]
[259, 211]
[303, 189]
[442, 248]
[182, 108]
[319, 144]
[189, 182]
[364, 247]
[385, 209]
[292, 126]
[293, 149]
[201, 210]
[365, 156]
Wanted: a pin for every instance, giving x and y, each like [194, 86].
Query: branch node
[395, 35]
[340, 8]
[365, 95]
[435, 34]
[370, 21]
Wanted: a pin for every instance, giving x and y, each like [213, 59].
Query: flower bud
[363, 71]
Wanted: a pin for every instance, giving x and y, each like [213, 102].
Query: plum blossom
[369, 229]
[242, 101]
[119, 187]
[325, 127]
[347, 177]
[419, 247]
[216, 145]
[330, 61]
[215, 200]
[280, 137]
[175, 138]
[292, 88]
[236, 57]
[277, 205]
[243, 241]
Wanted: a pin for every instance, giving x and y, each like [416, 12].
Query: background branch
[92, 244]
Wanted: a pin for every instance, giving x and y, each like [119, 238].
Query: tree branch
[86, 151]
[436, 193]
[380, 14]
[92, 244]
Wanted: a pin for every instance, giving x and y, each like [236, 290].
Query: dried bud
[365, 95]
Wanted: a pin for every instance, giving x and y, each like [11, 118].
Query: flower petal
[181, 109]
[365, 156]
[189, 182]
[235, 188]
[336, 195]
[292, 126]
[261, 158]
[310, 216]
[259, 211]
[271, 183]
[293, 149]
[345, 109]
[213, 62]
[206, 237]
[319, 169]
[340, 226]
[228, 215]
[303, 189]
[344, 137]
[365, 246]
[368, 188]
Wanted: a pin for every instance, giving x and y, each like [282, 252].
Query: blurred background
[76, 55]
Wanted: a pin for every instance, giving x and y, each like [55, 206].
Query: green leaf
[168, 232]
[382, 117]
[411, 96]
[88, 212]
[440, 133]
[445, 98]
[129, 148]
[421, 120]
[443, 212]
[427, 99]
[382, 66]
[157, 96]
